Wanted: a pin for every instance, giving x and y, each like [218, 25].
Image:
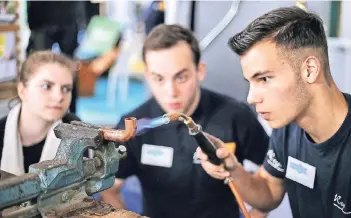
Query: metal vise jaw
[64, 184]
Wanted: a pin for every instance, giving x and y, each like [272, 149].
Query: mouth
[174, 106]
[55, 108]
[264, 115]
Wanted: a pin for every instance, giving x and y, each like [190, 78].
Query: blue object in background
[95, 109]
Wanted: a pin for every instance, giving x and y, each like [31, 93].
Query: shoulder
[67, 118]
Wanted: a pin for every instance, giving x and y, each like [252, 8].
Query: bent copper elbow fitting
[121, 135]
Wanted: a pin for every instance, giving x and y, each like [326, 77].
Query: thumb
[222, 152]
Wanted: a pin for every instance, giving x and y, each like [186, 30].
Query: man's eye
[181, 78]
[266, 79]
[158, 79]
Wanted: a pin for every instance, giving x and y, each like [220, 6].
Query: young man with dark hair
[284, 57]
[172, 180]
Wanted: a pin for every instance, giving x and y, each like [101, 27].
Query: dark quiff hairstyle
[290, 28]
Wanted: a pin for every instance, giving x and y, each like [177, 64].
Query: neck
[325, 115]
[32, 129]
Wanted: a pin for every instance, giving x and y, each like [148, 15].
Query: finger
[201, 155]
[218, 143]
[214, 170]
[222, 153]
[220, 177]
[225, 154]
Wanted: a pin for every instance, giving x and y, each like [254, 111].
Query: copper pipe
[121, 135]
[238, 197]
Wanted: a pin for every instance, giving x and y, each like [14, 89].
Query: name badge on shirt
[300, 172]
[156, 155]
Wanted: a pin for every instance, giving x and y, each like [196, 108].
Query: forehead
[171, 60]
[53, 72]
[262, 57]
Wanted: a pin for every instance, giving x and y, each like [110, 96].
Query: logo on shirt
[155, 153]
[339, 204]
[272, 160]
[298, 167]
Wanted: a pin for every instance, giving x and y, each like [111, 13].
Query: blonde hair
[40, 58]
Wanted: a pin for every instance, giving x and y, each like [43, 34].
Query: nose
[171, 89]
[254, 96]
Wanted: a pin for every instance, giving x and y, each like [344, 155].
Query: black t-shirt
[179, 187]
[54, 13]
[329, 193]
[32, 153]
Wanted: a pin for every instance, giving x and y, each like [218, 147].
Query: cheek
[188, 88]
[156, 90]
[35, 96]
[286, 98]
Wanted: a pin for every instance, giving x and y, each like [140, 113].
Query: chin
[52, 117]
[276, 124]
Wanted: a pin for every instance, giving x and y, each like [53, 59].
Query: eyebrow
[180, 72]
[52, 83]
[177, 74]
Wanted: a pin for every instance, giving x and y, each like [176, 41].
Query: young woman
[44, 87]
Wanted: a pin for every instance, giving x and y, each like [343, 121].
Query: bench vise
[59, 187]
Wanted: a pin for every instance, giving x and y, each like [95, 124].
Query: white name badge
[156, 155]
[300, 172]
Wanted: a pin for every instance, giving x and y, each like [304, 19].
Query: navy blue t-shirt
[294, 157]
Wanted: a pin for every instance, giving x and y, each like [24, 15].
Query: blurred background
[111, 79]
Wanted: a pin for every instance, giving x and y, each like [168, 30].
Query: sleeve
[273, 161]
[128, 166]
[252, 137]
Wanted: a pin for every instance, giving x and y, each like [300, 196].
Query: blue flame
[145, 124]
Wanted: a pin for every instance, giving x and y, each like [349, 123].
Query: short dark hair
[165, 36]
[290, 28]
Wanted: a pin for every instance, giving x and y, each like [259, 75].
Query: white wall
[345, 29]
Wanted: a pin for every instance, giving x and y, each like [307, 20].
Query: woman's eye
[67, 89]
